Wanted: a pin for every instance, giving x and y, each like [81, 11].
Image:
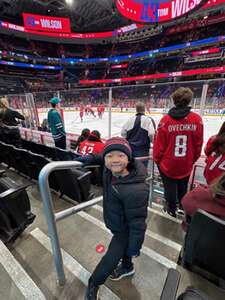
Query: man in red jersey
[177, 146]
[93, 144]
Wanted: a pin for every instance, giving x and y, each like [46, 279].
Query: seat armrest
[171, 285]
[92, 166]
[12, 191]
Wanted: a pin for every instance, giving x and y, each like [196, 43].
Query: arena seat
[40, 161]
[171, 285]
[15, 210]
[74, 184]
[64, 154]
[22, 161]
[4, 153]
[96, 174]
[204, 245]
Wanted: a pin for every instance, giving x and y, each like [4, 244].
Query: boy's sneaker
[121, 272]
[92, 291]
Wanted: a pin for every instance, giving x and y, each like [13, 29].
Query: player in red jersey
[90, 110]
[81, 112]
[99, 111]
[215, 156]
[177, 146]
[102, 107]
[93, 144]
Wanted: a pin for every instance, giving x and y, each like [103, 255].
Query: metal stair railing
[52, 218]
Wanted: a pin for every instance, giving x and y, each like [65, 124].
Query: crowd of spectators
[33, 52]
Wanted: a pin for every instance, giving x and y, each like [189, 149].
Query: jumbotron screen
[156, 11]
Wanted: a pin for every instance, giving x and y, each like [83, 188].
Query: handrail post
[49, 213]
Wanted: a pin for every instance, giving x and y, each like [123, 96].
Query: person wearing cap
[56, 125]
[93, 144]
[139, 131]
[75, 145]
[125, 202]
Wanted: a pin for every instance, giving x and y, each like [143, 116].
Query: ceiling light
[69, 2]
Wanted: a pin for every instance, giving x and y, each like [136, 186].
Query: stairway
[79, 235]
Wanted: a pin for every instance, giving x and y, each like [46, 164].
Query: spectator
[93, 144]
[210, 147]
[125, 202]
[44, 125]
[56, 125]
[75, 145]
[138, 131]
[177, 146]
[9, 130]
[8, 115]
[211, 199]
[215, 161]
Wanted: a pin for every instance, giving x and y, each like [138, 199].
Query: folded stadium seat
[27, 144]
[63, 154]
[170, 288]
[30, 166]
[15, 210]
[17, 157]
[169, 291]
[204, 245]
[96, 174]
[74, 184]
[40, 161]
[5, 157]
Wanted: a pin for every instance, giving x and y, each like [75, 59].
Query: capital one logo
[150, 6]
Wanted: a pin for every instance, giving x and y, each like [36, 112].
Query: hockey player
[99, 110]
[177, 146]
[93, 144]
[90, 110]
[81, 112]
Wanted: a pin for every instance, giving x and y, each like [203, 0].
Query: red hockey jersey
[178, 143]
[208, 146]
[88, 147]
[215, 167]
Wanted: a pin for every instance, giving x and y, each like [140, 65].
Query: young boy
[125, 202]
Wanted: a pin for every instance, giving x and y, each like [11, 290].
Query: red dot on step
[100, 248]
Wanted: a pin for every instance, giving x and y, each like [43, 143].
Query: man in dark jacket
[138, 131]
[125, 202]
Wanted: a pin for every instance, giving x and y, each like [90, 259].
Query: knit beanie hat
[117, 144]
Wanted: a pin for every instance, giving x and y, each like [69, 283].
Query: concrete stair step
[15, 283]
[34, 253]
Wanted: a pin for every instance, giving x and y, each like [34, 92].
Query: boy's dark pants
[116, 251]
[174, 190]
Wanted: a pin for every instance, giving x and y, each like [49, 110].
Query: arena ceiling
[85, 15]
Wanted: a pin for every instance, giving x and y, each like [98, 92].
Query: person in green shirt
[56, 125]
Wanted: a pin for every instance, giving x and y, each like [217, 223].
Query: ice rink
[74, 125]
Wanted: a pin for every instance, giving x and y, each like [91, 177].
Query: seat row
[73, 183]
